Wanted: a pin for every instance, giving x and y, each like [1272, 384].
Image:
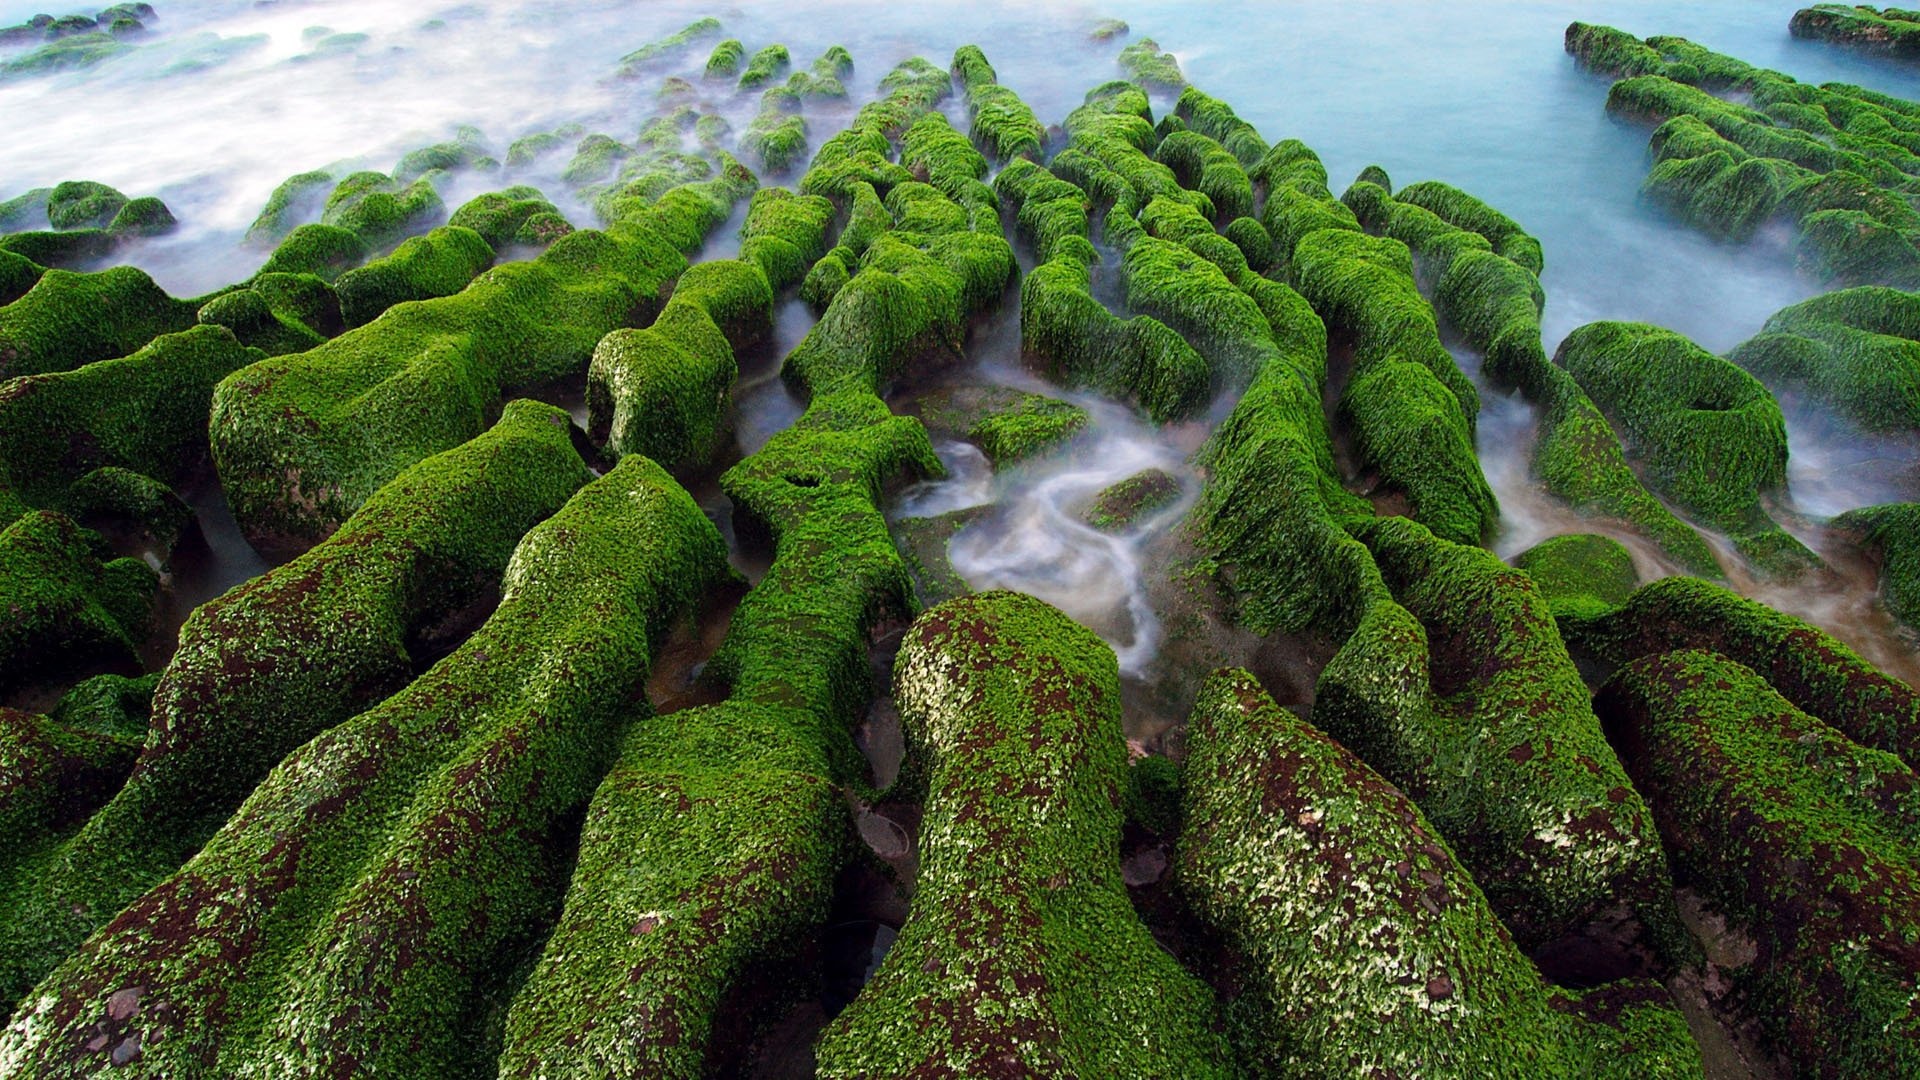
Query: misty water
[226, 99]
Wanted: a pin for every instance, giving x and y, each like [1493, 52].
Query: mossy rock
[1893, 532]
[145, 412]
[1583, 576]
[83, 204]
[1468, 667]
[55, 772]
[274, 662]
[27, 210]
[145, 216]
[516, 215]
[70, 606]
[1810, 667]
[379, 210]
[121, 502]
[69, 319]
[1855, 350]
[1020, 920]
[302, 440]
[324, 251]
[1805, 843]
[922, 543]
[1335, 894]
[440, 263]
[410, 846]
[1120, 506]
[654, 53]
[1008, 425]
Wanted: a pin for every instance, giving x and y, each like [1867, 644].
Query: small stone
[1439, 988]
[124, 1004]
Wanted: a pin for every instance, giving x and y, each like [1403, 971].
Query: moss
[83, 204]
[1583, 576]
[725, 60]
[655, 53]
[775, 141]
[124, 503]
[1814, 670]
[530, 148]
[27, 210]
[66, 54]
[515, 215]
[1108, 30]
[1711, 438]
[1145, 64]
[279, 660]
[1031, 424]
[278, 313]
[1856, 351]
[54, 772]
[145, 412]
[785, 233]
[74, 247]
[923, 545]
[145, 216]
[1860, 27]
[1338, 898]
[467, 151]
[18, 274]
[1494, 303]
[1852, 246]
[381, 212]
[1207, 167]
[1002, 125]
[665, 391]
[1892, 532]
[1467, 699]
[765, 66]
[1066, 332]
[1801, 840]
[1464, 211]
[1411, 407]
[325, 251]
[301, 441]
[70, 319]
[1120, 506]
[440, 263]
[422, 862]
[1019, 921]
[1216, 119]
[68, 610]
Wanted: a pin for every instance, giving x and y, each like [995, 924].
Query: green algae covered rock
[301, 441]
[1494, 300]
[654, 53]
[1027, 425]
[1411, 407]
[27, 210]
[65, 54]
[1893, 532]
[1582, 576]
[284, 656]
[69, 319]
[379, 210]
[52, 775]
[1892, 31]
[1216, 119]
[409, 848]
[664, 391]
[1812, 669]
[1711, 437]
[1120, 506]
[1003, 126]
[278, 313]
[1145, 64]
[1478, 713]
[516, 215]
[119, 502]
[18, 274]
[765, 66]
[1340, 900]
[83, 204]
[922, 543]
[146, 412]
[784, 234]
[1806, 843]
[723, 64]
[1855, 350]
[67, 606]
[298, 197]
[324, 251]
[440, 263]
[145, 216]
[1021, 950]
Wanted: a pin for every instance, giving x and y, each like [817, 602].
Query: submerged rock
[1120, 505]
